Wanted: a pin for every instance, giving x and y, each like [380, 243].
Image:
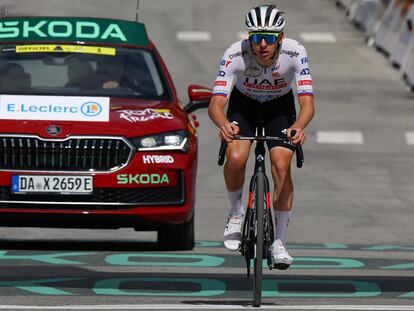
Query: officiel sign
[54, 108]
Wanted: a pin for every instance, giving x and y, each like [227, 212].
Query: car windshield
[74, 70]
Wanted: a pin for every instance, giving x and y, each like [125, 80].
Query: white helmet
[265, 18]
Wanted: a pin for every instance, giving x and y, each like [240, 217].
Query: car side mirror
[199, 96]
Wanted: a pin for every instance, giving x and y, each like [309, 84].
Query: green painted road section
[359, 289]
[159, 260]
[210, 286]
[84, 277]
[54, 259]
[19, 258]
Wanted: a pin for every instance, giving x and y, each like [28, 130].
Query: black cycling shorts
[277, 115]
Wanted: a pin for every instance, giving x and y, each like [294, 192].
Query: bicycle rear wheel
[259, 241]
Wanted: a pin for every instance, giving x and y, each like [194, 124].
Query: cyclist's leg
[281, 154]
[240, 111]
[235, 167]
[281, 158]
[283, 190]
[234, 173]
[237, 155]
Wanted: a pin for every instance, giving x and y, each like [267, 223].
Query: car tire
[177, 237]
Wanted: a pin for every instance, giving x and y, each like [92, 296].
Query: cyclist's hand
[228, 131]
[298, 138]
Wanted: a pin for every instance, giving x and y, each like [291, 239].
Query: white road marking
[321, 37]
[214, 307]
[410, 138]
[340, 138]
[193, 36]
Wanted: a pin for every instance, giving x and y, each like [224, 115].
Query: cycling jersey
[260, 83]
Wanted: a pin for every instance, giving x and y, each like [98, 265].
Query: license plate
[51, 184]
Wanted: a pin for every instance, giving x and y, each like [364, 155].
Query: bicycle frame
[248, 237]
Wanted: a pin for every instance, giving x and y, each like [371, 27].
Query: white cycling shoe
[232, 233]
[280, 257]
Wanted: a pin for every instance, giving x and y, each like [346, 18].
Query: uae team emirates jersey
[263, 84]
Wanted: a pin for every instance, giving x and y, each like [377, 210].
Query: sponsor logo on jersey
[253, 71]
[275, 68]
[225, 63]
[265, 84]
[289, 53]
[220, 83]
[305, 72]
[238, 54]
[305, 82]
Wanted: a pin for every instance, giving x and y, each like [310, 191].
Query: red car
[92, 134]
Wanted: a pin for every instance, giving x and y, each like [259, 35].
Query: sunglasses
[269, 37]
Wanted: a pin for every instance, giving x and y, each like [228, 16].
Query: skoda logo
[53, 130]
[91, 109]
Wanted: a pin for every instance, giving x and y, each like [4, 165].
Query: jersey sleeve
[225, 76]
[304, 82]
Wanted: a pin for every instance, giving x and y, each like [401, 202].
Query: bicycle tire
[258, 260]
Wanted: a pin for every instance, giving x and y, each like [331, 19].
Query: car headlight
[177, 140]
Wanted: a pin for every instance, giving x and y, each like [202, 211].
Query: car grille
[31, 153]
[100, 199]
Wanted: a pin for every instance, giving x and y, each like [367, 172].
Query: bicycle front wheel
[259, 240]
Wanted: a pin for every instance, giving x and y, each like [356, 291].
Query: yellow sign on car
[52, 48]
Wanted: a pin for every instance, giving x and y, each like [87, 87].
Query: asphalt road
[351, 231]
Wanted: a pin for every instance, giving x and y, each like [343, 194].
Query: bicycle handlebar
[299, 151]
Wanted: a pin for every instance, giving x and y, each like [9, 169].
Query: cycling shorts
[277, 115]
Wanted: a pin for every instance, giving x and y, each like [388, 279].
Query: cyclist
[262, 69]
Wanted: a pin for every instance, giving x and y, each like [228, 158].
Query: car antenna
[137, 12]
[3, 8]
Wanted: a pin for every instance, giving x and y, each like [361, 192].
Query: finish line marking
[193, 36]
[410, 138]
[339, 138]
[212, 307]
[321, 37]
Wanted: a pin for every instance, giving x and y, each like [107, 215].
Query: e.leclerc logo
[62, 108]
[91, 109]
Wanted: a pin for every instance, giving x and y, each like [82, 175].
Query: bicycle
[258, 230]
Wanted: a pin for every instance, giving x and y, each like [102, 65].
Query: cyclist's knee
[236, 160]
[282, 167]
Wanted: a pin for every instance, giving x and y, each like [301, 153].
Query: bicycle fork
[247, 247]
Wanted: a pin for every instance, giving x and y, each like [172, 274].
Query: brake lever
[299, 150]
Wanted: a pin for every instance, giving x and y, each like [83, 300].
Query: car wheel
[177, 237]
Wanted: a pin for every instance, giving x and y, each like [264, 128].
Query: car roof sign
[70, 29]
